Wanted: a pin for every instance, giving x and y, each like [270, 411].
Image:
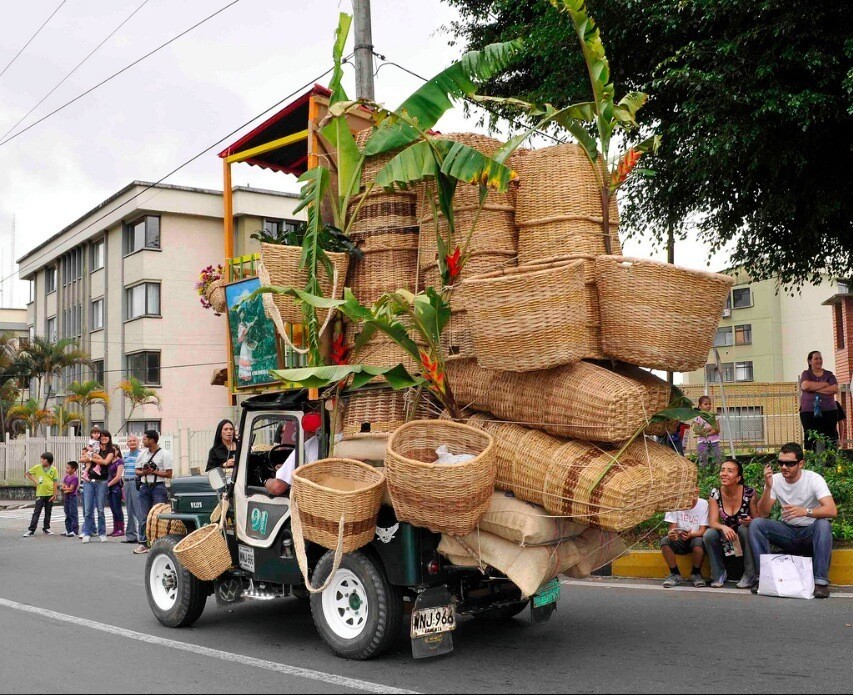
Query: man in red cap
[279, 485]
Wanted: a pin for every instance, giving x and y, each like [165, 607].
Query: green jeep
[398, 579]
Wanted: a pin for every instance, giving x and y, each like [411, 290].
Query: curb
[649, 564]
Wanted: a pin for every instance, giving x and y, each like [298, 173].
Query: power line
[38, 31]
[186, 163]
[74, 69]
[116, 74]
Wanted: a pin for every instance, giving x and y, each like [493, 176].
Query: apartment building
[121, 282]
[841, 306]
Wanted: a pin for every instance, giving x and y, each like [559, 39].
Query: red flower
[625, 167]
[453, 264]
[340, 349]
[431, 372]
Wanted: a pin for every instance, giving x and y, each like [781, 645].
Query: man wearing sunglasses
[807, 507]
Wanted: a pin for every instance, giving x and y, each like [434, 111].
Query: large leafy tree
[753, 103]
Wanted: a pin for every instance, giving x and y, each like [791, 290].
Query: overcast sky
[183, 99]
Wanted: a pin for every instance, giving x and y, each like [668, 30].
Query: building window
[144, 233]
[98, 371]
[70, 375]
[72, 322]
[838, 312]
[746, 423]
[145, 366]
[139, 427]
[723, 338]
[98, 314]
[142, 300]
[743, 334]
[32, 289]
[277, 227]
[98, 255]
[50, 279]
[50, 329]
[741, 298]
[72, 266]
[743, 371]
[727, 372]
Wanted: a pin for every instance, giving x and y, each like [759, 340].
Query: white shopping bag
[786, 576]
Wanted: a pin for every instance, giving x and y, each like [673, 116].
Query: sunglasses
[787, 464]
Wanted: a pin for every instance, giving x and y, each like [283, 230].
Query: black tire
[502, 612]
[385, 608]
[191, 594]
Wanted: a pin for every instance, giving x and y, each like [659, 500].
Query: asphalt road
[74, 618]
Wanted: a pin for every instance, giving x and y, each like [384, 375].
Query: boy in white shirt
[807, 507]
[685, 537]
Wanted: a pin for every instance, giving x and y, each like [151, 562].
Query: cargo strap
[301, 557]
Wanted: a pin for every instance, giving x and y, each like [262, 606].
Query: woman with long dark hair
[95, 488]
[115, 489]
[224, 447]
[818, 409]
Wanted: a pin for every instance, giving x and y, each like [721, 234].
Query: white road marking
[309, 674]
[658, 587]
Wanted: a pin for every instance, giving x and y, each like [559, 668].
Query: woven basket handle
[302, 558]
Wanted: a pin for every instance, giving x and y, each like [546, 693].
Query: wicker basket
[658, 315]
[456, 339]
[675, 476]
[381, 411]
[558, 206]
[381, 351]
[582, 400]
[445, 498]
[280, 267]
[382, 270]
[205, 552]
[155, 527]
[494, 243]
[525, 319]
[215, 294]
[331, 489]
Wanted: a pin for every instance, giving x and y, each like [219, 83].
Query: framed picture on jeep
[253, 343]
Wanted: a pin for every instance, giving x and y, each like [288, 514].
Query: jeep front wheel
[360, 614]
[176, 597]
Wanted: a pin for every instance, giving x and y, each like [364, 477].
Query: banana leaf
[322, 377]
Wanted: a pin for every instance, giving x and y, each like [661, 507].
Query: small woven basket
[445, 498]
[279, 267]
[523, 319]
[215, 294]
[205, 552]
[322, 501]
[658, 315]
[155, 527]
[380, 411]
[558, 206]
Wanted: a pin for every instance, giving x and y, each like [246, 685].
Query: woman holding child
[732, 507]
[95, 479]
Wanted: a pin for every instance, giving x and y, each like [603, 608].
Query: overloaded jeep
[395, 581]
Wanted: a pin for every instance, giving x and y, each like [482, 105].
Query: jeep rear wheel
[360, 614]
[176, 597]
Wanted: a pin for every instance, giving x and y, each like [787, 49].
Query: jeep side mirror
[217, 479]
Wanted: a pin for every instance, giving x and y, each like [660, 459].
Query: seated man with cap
[280, 485]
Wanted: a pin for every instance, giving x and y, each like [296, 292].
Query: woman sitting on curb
[732, 507]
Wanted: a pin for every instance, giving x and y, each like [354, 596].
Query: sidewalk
[16, 504]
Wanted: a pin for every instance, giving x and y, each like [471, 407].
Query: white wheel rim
[163, 581]
[345, 605]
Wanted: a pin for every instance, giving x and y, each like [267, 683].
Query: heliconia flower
[453, 265]
[431, 372]
[340, 349]
[625, 167]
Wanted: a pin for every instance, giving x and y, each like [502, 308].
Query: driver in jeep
[280, 485]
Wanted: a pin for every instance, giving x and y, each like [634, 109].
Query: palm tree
[86, 393]
[62, 418]
[13, 371]
[30, 414]
[50, 358]
[137, 395]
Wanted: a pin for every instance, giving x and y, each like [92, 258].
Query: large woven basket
[381, 351]
[658, 315]
[674, 475]
[456, 339]
[383, 270]
[215, 294]
[205, 552]
[381, 411]
[445, 498]
[582, 400]
[155, 527]
[280, 267]
[525, 319]
[331, 489]
[558, 206]
[494, 243]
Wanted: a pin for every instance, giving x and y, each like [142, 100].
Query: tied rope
[301, 557]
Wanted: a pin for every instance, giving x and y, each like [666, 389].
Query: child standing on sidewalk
[44, 476]
[708, 436]
[70, 484]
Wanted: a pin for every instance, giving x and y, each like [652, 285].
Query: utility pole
[670, 258]
[363, 50]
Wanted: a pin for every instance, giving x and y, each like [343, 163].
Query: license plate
[547, 594]
[246, 558]
[432, 621]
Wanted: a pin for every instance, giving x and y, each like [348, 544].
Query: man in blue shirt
[132, 532]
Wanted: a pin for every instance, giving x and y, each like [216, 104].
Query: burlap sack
[526, 524]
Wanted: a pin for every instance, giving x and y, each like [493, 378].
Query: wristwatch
[809, 511]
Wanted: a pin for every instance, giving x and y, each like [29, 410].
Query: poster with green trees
[254, 344]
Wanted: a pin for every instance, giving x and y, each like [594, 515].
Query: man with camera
[807, 507]
[153, 467]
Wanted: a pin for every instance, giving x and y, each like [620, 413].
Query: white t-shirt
[691, 519]
[162, 459]
[312, 453]
[806, 492]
